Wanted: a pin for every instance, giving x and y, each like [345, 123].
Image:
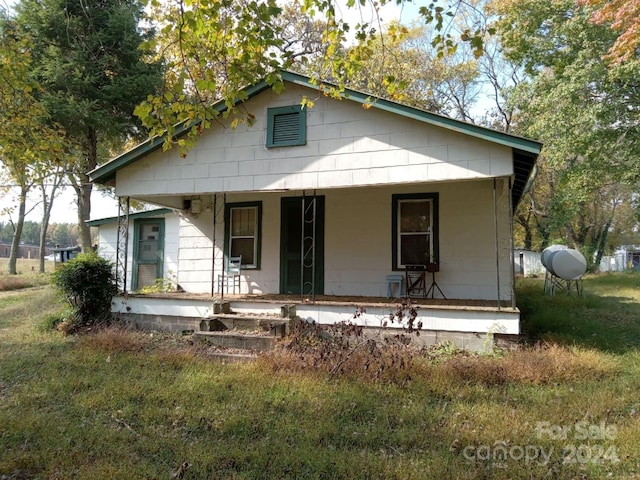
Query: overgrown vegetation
[88, 284]
[162, 285]
[344, 349]
[114, 403]
[347, 349]
[27, 275]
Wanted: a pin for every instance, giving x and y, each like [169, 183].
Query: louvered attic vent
[286, 126]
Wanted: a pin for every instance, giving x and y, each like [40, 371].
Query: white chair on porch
[230, 279]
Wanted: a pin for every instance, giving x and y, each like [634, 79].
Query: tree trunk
[17, 232]
[602, 242]
[48, 205]
[43, 235]
[83, 190]
[525, 222]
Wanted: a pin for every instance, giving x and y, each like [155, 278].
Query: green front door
[148, 252]
[302, 269]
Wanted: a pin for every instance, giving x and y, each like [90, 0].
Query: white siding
[358, 241]
[346, 146]
[171, 244]
[108, 241]
[527, 263]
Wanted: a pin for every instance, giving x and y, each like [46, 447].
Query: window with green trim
[243, 232]
[415, 229]
[286, 126]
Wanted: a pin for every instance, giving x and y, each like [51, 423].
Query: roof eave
[146, 214]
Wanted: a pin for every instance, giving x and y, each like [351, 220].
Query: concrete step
[273, 324]
[240, 336]
[249, 342]
[232, 357]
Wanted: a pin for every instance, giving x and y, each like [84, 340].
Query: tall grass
[28, 274]
[122, 404]
[606, 317]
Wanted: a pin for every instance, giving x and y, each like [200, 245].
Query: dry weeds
[398, 361]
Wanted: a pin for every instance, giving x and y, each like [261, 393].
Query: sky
[64, 207]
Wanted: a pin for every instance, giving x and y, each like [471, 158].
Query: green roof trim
[107, 172]
[147, 214]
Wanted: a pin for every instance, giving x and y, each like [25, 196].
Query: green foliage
[215, 49]
[63, 234]
[585, 112]
[51, 321]
[88, 284]
[92, 72]
[162, 285]
[402, 65]
[29, 141]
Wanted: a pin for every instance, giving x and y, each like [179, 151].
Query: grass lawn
[116, 404]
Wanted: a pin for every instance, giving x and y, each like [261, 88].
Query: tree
[93, 73]
[48, 194]
[30, 232]
[624, 17]
[584, 111]
[407, 68]
[214, 49]
[29, 142]
[402, 65]
[63, 234]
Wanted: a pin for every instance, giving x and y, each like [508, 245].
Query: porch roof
[525, 151]
[146, 214]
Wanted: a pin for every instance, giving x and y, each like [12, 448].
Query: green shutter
[286, 126]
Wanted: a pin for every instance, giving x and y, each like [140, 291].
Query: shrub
[88, 284]
[53, 320]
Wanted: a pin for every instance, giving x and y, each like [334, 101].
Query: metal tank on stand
[565, 268]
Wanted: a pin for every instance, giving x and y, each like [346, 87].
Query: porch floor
[362, 301]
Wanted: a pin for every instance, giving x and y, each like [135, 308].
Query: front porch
[469, 324]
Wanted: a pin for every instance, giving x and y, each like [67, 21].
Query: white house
[336, 200]
[153, 240]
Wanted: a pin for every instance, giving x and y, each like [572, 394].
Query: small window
[286, 126]
[243, 232]
[415, 230]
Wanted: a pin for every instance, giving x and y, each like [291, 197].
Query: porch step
[273, 324]
[232, 357]
[241, 336]
[246, 342]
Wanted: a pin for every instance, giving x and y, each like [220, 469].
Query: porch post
[511, 245]
[497, 237]
[213, 242]
[302, 249]
[218, 217]
[122, 243]
[308, 254]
